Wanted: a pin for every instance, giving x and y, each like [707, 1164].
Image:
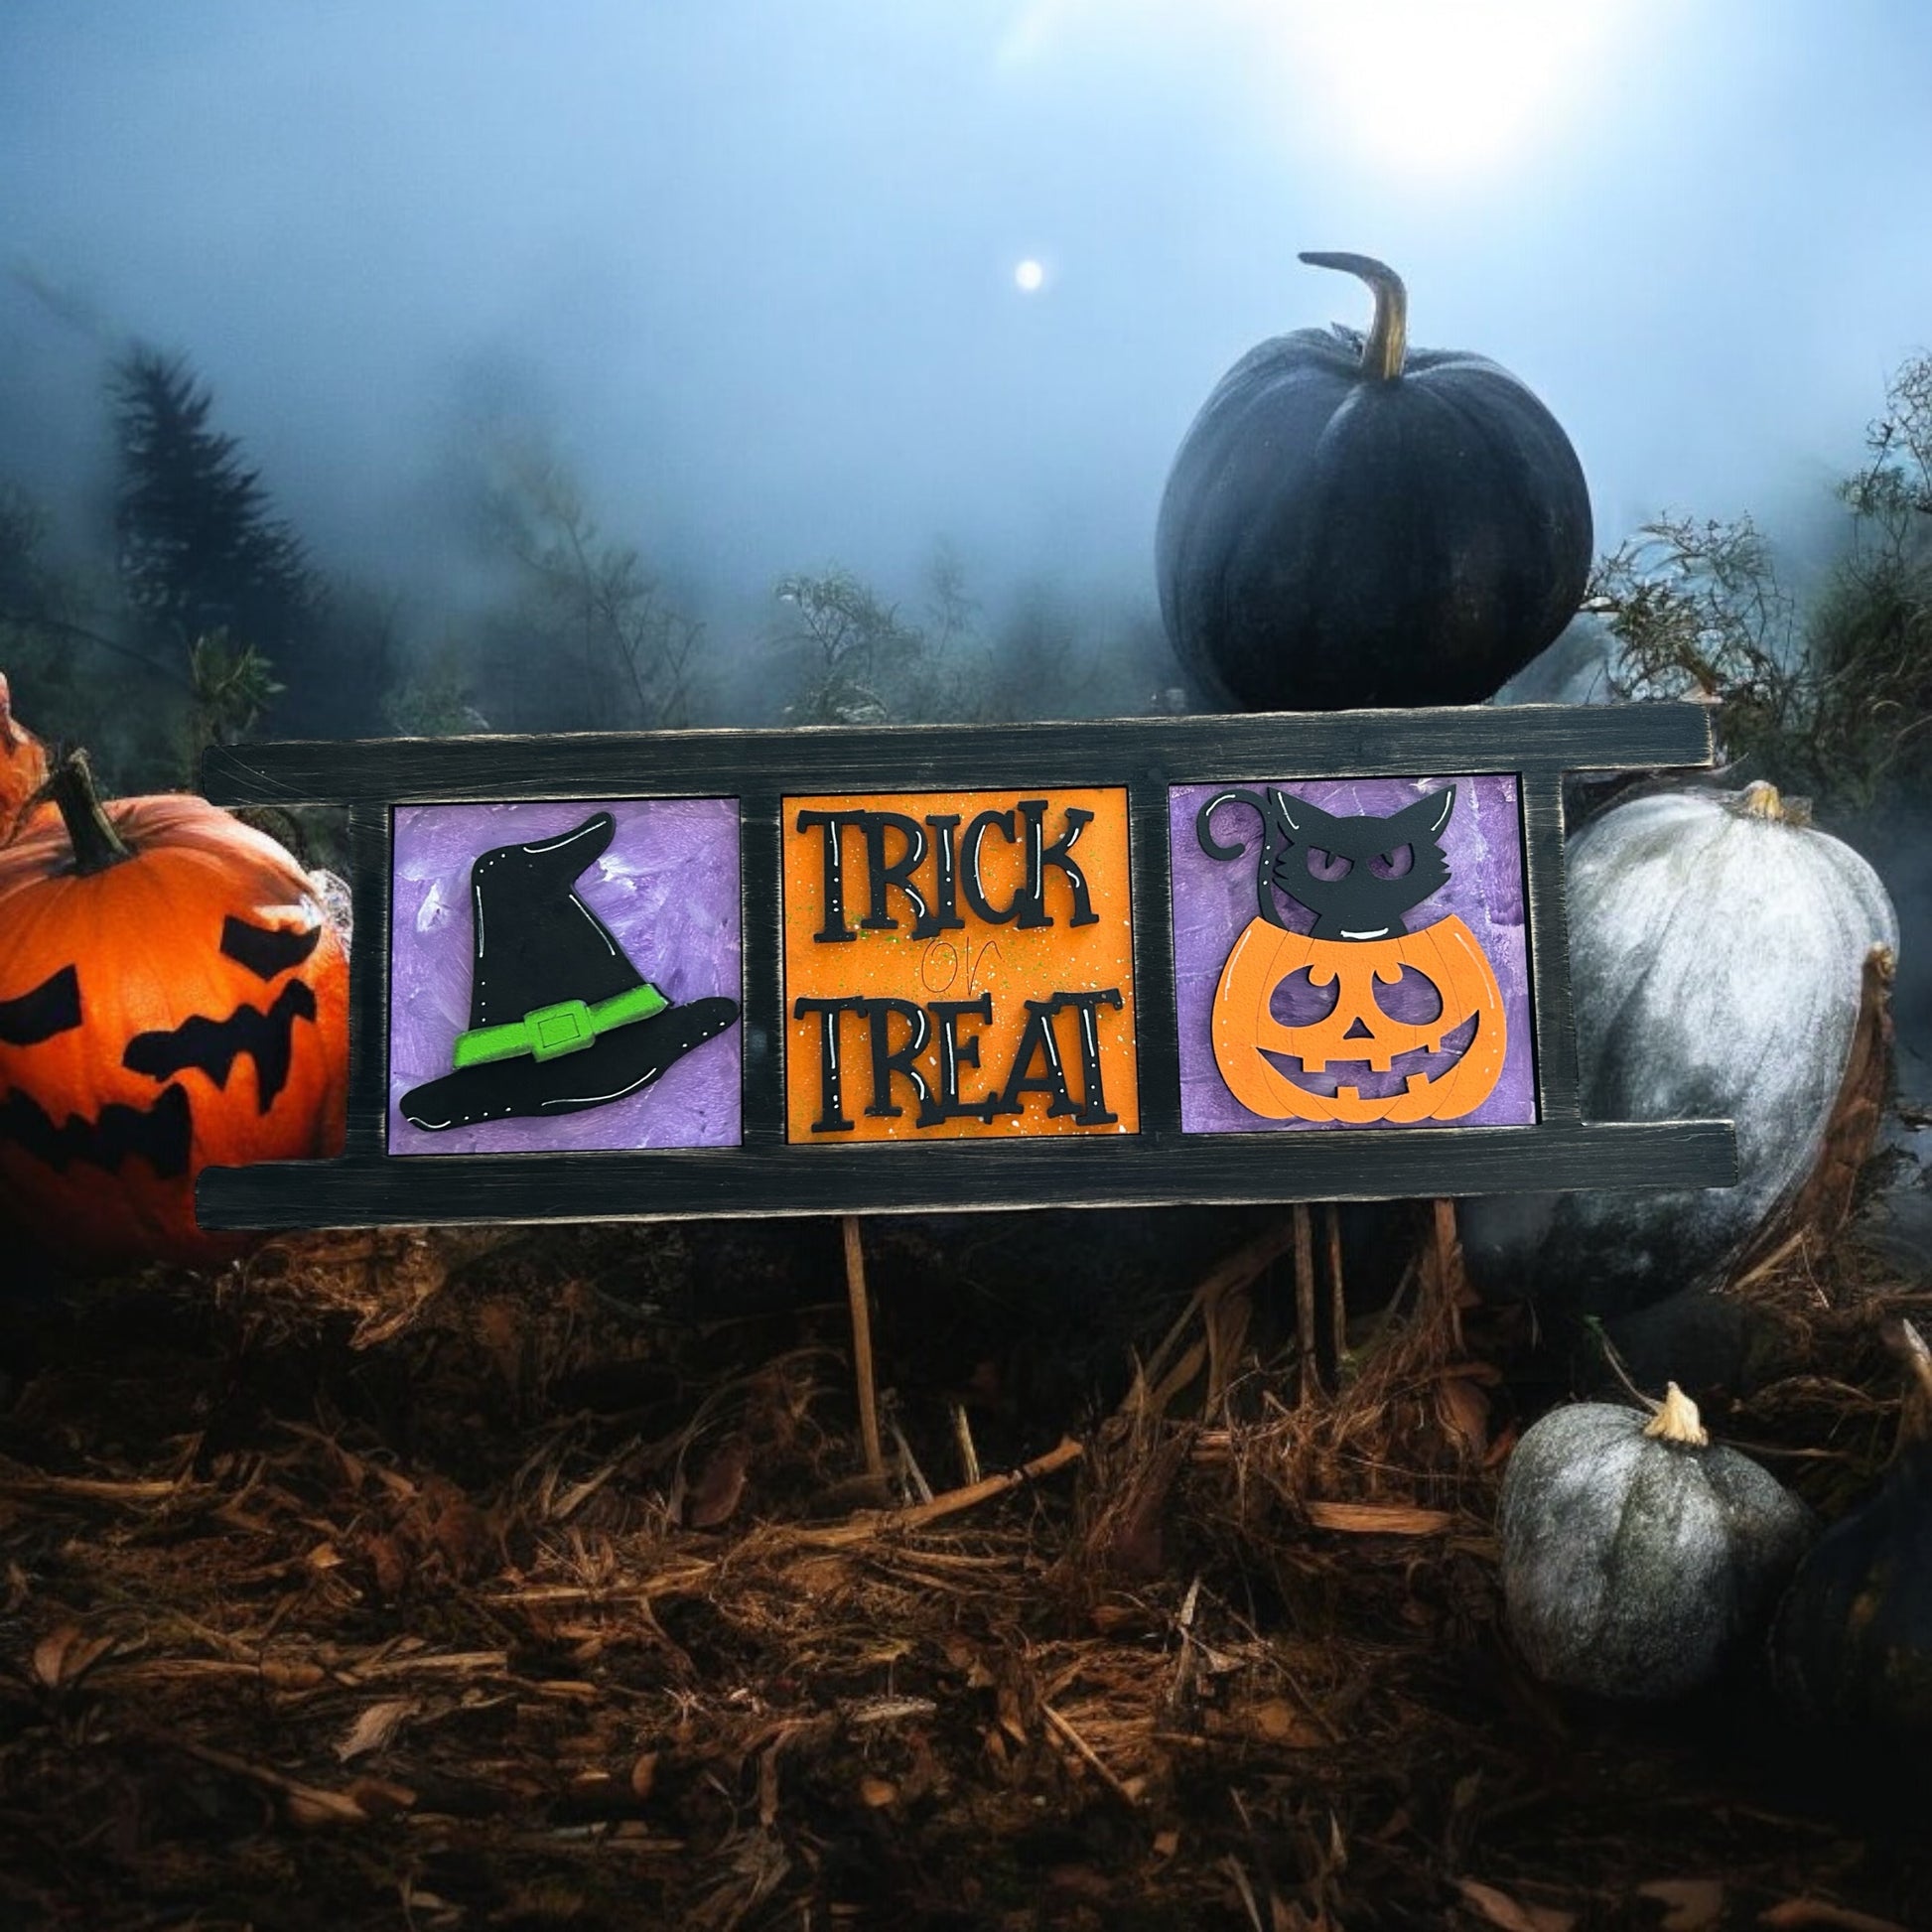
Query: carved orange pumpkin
[1358, 1029]
[172, 997]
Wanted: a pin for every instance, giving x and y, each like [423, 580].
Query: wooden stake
[855, 1288]
[1449, 1286]
[1304, 1302]
[1337, 1302]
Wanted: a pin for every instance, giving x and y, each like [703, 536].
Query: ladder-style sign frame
[1157, 1152]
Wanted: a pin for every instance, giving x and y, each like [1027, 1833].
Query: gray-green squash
[1636, 1554]
[1718, 943]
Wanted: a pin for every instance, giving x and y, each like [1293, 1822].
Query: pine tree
[200, 550]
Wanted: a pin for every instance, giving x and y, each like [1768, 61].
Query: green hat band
[549, 1033]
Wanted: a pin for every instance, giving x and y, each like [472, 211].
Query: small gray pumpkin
[1634, 1554]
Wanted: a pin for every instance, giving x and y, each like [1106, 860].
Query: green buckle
[549, 1033]
[559, 1030]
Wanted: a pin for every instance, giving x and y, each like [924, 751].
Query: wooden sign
[839, 971]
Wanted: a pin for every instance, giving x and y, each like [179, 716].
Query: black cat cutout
[1358, 876]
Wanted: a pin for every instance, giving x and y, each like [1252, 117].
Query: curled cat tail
[1272, 845]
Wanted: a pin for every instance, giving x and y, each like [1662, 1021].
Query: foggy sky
[750, 261]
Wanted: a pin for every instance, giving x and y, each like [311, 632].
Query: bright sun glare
[1029, 276]
[1428, 89]
[1448, 85]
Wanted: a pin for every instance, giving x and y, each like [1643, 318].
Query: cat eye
[1327, 865]
[1394, 865]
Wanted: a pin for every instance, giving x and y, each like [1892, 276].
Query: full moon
[1029, 276]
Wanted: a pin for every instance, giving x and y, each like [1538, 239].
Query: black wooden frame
[766, 1174]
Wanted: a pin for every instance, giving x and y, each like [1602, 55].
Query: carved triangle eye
[52, 1008]
[268, 950]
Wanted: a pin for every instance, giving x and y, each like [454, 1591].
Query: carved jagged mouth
[161, 1134]
[212, 1047]
[1407, 1072]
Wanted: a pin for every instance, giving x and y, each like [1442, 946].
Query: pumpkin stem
[96, 845]
[1677, 1420]
[1762, 799]
[1387, 340]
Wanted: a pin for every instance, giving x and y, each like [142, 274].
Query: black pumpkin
[1347, 523]
[1634, 1554]
[1852, 1642]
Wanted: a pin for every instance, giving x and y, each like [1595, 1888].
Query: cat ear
[1302, 818]
[1427, 816]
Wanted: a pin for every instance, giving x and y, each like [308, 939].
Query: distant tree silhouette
[848, 655]
[1833, 693]
[588, 639]
[843, 655]
[1058, 655]
[199, 548]
[73, 682]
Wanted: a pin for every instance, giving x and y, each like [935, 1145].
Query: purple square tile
[666, 889]
[1214, 901]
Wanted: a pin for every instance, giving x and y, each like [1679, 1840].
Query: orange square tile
[959, 964]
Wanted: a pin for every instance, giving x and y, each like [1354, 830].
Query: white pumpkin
[1718, 943]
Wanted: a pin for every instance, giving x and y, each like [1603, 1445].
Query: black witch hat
[559, 1018]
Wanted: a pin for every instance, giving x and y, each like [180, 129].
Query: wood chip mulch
[455, 1580]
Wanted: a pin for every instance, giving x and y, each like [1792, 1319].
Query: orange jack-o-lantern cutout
[1358, 1029]
[172, 997]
